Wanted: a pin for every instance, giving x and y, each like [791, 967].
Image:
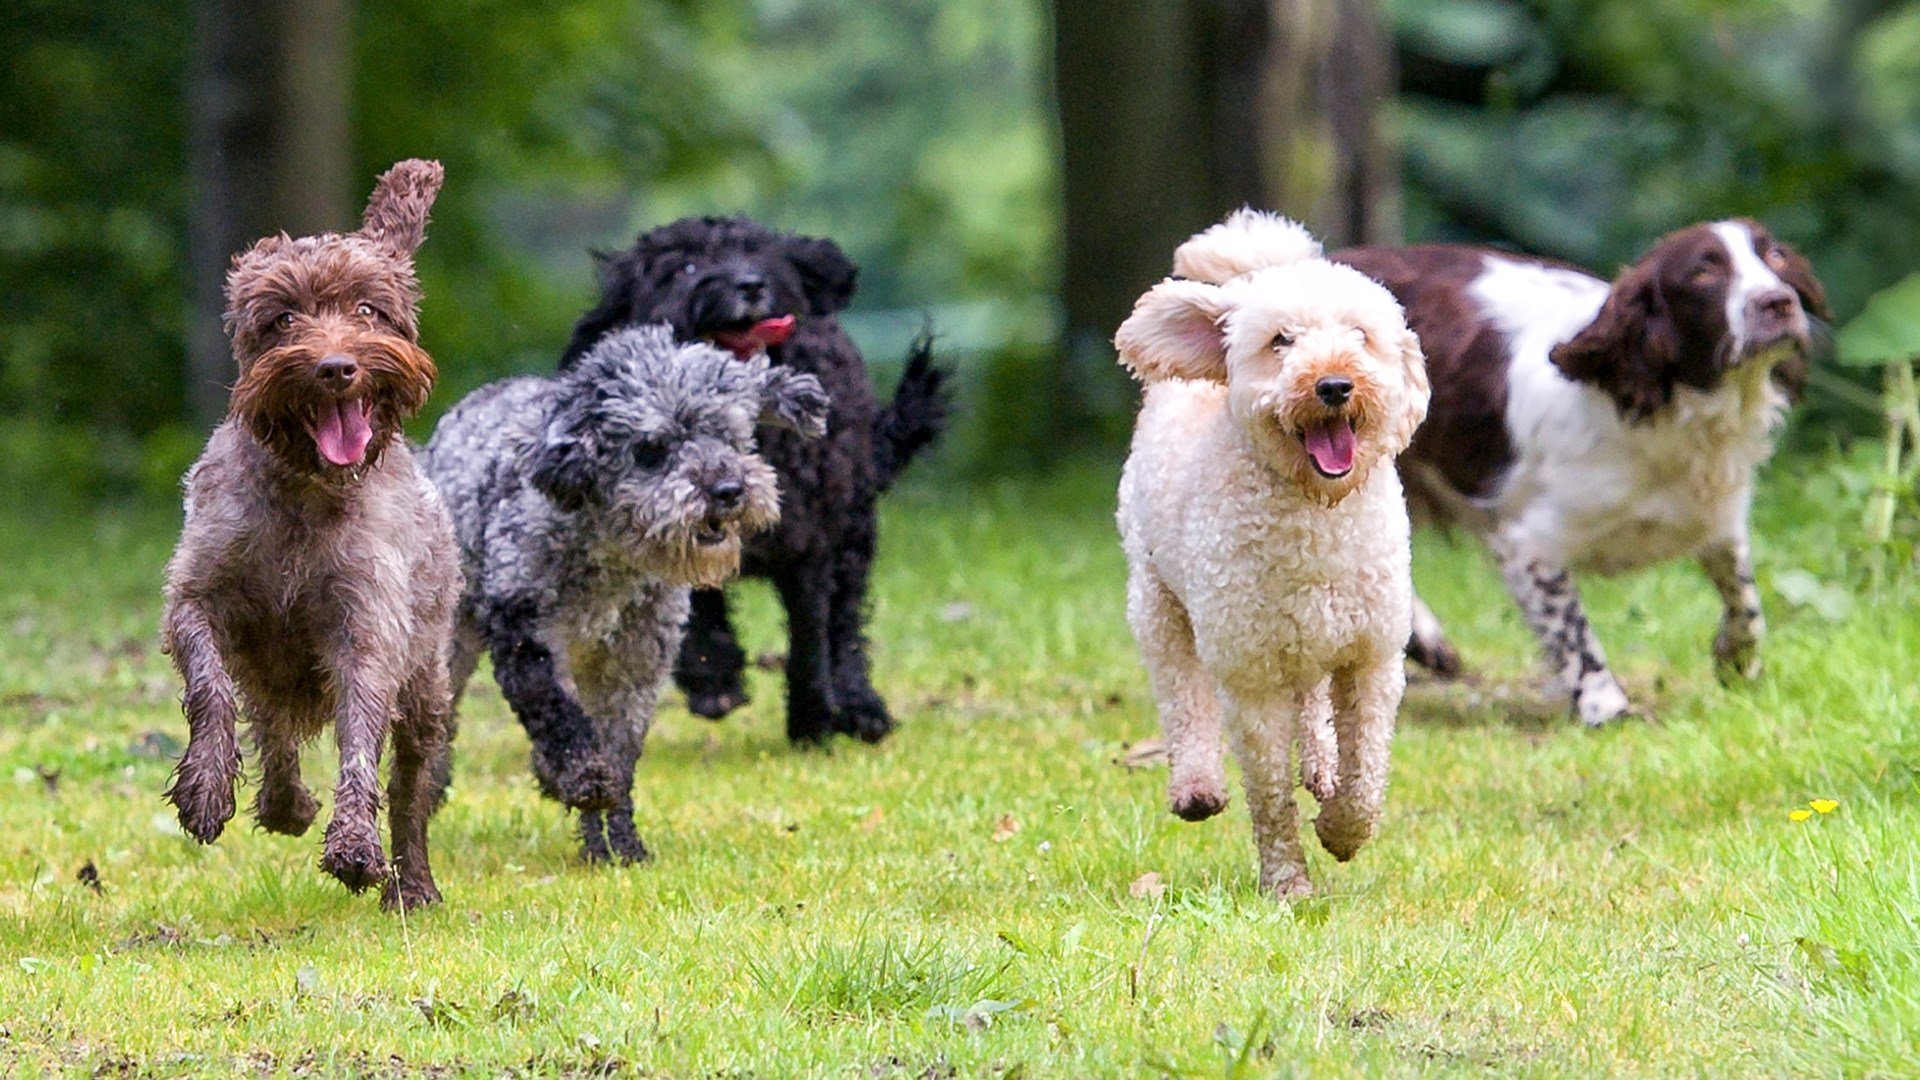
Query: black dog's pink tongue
[342, 432]
[755, 339]
[1330, 444]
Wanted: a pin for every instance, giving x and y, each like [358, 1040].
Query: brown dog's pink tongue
[756, 338]
[1330, 444]
[343, 432]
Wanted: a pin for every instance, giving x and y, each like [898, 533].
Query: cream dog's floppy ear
[1175, 333]
[1418, 391]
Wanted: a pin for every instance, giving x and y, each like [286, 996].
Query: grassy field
[968, 899]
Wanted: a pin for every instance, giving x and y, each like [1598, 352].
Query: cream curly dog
[1265, 530]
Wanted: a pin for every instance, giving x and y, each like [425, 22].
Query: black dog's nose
[750, 282]
[1333, 390]
[1778, 303]
[726, 494]
[337, 371]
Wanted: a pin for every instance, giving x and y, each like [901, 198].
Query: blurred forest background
[1014, 170]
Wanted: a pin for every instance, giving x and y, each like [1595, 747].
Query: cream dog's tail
[1248, 240]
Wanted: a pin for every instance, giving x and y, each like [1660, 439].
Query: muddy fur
[707, 278]
[305, 592]
[586, 505]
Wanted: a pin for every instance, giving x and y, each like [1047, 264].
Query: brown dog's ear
[1628, 350]
[1175, 333]
[396, 214]
[1419, 392]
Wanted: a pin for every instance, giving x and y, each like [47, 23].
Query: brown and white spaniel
[1581, 425]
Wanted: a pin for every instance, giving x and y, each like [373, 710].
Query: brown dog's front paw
[356, 862]
[204, 801]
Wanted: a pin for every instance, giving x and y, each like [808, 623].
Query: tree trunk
[1172, 113]
[269, 150]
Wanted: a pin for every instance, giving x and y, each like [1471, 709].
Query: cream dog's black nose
[1333, 390]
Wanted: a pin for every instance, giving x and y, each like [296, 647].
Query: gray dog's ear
[396, 214]
[793, 400]
[563, 467]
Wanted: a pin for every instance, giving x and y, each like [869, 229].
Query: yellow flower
[1800, 815]
[1824, 806]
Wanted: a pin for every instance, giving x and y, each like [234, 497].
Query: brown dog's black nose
[337, 372]
[1333, 390]
[726, 494]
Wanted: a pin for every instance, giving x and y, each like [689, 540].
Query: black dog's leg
[711, 662]
[566, 756]
[861, 711]
[806, 591]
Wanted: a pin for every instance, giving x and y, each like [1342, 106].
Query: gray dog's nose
[726, 494]
[337, 371]
[1333, 390]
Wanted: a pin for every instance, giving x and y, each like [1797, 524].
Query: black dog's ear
[826, 273]
[619, 279]
[793, 400]
[1628, 350]
[563, 468]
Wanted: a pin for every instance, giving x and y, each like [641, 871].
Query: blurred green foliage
[916, 132]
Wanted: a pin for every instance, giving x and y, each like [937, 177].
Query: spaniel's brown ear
[1628, 350]
[1798, 274]
[1175, 333]
[396, 214]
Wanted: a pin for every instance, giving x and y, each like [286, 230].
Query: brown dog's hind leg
[420, 743]
[283, 804]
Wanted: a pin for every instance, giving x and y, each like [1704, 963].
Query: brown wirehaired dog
[317, 573]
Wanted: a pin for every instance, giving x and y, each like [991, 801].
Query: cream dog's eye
[1283, 340]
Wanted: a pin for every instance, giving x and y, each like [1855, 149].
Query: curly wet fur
[585, 506]
[304, 593]
[709, 276]
[1266, 595]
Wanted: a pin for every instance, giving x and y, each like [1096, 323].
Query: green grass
[1542, 900]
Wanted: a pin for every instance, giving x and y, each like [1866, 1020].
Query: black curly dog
[747, 288]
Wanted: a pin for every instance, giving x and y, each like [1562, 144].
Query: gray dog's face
[653, 448]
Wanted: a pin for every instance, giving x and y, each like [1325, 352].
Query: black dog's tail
[916, 416]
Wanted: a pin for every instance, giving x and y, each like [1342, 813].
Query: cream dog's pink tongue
[1330, 444]
[343, 432]
[758, 337]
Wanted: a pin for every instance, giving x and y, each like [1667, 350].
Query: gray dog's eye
[649, 455]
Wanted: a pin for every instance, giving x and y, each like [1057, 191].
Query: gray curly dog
[586, 506]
